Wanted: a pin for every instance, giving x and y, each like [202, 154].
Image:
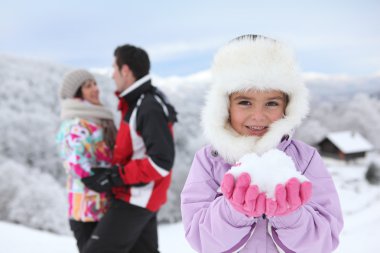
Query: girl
[85, 138]
[256, 100]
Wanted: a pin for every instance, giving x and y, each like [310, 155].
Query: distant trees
[32, 198]
[360, 113]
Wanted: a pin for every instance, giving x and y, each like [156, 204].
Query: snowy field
[361, 207]
[360, 203]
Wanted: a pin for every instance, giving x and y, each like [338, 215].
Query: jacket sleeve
[78, 151]
[315, 227]
[153, 126]
[102, 153]
[210, 223]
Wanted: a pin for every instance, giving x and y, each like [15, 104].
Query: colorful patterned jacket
[81, 147]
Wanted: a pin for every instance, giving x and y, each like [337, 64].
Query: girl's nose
[257, 114]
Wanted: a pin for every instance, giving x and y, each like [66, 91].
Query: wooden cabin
[345, 145]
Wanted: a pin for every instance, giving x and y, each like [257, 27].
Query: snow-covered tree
[32, 198]
[311, 131]
[359, 113]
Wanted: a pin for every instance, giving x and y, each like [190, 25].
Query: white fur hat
[258, 63]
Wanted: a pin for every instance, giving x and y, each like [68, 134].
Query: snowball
[266, 171]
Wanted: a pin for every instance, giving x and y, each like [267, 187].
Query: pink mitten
[243, 197]
[235, 192]
[254, 202]
[289, 197]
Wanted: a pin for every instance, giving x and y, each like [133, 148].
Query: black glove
[103, 179]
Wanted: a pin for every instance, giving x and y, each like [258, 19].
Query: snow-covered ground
[361, 207]
[360, 202]
[17, 239]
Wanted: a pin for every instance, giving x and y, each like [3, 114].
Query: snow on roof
[349, 141]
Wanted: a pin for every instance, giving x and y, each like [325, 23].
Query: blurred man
[143, 159]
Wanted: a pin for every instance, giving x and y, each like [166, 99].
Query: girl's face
[90, 92]
[252, 112]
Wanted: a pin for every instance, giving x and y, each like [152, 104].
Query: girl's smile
[257, 130]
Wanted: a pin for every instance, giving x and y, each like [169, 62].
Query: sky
[181, 37]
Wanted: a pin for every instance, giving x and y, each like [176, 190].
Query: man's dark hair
[136, 58]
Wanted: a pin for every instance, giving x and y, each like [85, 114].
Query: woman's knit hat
[72, 81]
[258, 63]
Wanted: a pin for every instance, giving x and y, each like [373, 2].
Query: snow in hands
[268, 170]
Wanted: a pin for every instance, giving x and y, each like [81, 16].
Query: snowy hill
[360, 203]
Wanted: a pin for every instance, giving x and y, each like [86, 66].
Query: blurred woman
[86, 138]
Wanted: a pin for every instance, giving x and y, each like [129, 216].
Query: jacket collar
[135, 85]
[130, 96]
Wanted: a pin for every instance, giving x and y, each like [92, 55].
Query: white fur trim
[261, 64]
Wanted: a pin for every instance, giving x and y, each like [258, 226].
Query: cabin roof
[349, 142]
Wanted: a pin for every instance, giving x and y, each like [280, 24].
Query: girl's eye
[272, 103]
[244, 102]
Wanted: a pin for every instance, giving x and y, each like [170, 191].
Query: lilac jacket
[212, 225]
